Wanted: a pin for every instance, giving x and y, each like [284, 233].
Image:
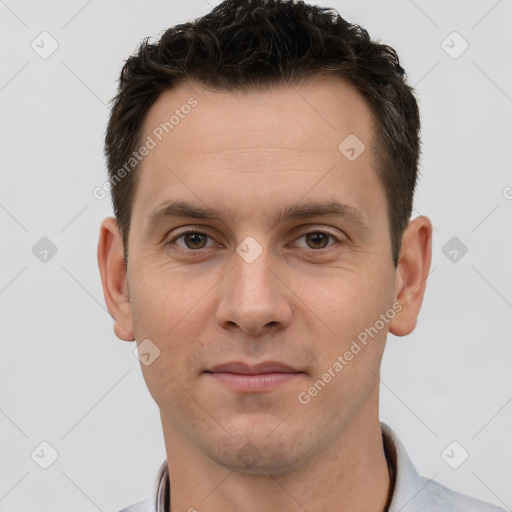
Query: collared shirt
[412, 492]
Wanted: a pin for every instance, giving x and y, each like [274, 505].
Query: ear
[114, 279]
[411, 274]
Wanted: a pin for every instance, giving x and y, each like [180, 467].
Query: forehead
[244, 148]
[328, 108]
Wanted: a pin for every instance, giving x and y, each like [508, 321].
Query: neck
[352, 476]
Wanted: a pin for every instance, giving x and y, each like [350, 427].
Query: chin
[258, 454]
[274, 466]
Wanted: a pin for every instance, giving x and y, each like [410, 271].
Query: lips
[260, 378]
[241, 368]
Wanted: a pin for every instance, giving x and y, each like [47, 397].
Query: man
[262, 162]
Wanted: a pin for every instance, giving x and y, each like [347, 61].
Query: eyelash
[195, 231]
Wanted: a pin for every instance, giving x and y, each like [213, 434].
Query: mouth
[259, 378]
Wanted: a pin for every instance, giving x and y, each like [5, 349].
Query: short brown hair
[251, 44]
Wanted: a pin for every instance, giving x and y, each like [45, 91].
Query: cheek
[165, 303]
[171, 311]
[350, 352]
[352, 302]
[349, 361]
[168, 387]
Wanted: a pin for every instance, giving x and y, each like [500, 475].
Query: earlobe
[113, 278]
[411, 274]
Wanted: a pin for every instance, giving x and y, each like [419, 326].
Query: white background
[66, 379]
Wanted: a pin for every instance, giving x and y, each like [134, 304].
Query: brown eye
[317, 239]
[193, 240]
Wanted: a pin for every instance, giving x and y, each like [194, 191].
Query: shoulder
[415, 493]
[436, 497]
[159, 495]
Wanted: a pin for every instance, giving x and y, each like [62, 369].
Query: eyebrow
[177, 209]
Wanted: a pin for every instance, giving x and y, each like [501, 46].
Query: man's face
[245, 288]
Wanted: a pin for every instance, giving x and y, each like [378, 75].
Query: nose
[254, 297]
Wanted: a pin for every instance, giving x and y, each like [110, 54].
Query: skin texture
[301, 302]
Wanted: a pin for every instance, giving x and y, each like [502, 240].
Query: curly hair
[254, 44]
